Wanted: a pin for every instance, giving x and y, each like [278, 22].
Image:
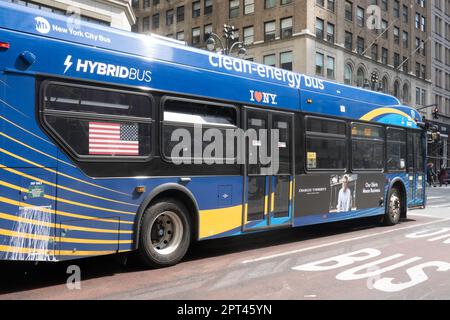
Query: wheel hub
[166, 232]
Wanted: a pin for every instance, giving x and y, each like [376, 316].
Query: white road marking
[440, 206]
[420, 214]
[281, 254]
[433, 197]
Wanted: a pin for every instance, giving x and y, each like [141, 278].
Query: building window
[348, 75]
[319, 63]
[405, 64]
[283, 2]
[269, 31]
[360, 76]
[169, 17]
[405, 93]
[396, 9]
[359, 45]
[180, 36]
[384, 26]
[234, 8]
[348, 40]
[405, 14]
[330, 32]
[319, 28]
[135, 4]
[196, 8]
[286, 60]
[349, 10]
[249, 6]
[385, 85]
[330, 5]
[320, 3]
[269, 4]
[384, 56]
[146, 24]
[249, 34]
[208, 6]
[195, 35]
[397, 89]
[405, 38]
[270, 60]
[180, 14]
[155, 21]
[360, 16]
[286, 28]
[330, 67]
[423, 71]
[396, 35]
[374, 52]
[384, 5]
[207, 30]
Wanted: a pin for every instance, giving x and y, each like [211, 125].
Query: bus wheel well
[184, 199]
[401, 187]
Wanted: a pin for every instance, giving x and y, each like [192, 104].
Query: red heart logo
[258, 96]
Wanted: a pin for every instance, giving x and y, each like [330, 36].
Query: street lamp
[229, 44]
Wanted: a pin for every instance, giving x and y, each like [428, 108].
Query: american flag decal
[106, 138]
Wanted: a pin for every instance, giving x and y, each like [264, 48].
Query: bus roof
[158, 63]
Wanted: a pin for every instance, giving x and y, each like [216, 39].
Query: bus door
[420, 176]
[269, 168]
[416, 173]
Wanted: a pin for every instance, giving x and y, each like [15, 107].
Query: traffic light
[436, 113]
[374, 77]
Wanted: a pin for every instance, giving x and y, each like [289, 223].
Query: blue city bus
[88, 120]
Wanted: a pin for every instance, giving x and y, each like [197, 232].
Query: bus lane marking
[372, 270]
[329, 244]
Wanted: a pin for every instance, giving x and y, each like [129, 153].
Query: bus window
[419, 152]
[211, 120]
[367, 147]
[410, 143]
[98, 122]
[396, 149]
[326, 146]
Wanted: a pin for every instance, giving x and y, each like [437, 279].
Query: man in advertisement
[345, 197]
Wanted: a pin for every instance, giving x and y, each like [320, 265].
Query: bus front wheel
[394, 208]
[165, 234]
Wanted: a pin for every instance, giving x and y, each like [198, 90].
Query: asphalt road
[347, 260]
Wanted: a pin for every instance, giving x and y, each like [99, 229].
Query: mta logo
[42, 25]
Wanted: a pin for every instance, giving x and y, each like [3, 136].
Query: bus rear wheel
[165, 234]
[394, 209]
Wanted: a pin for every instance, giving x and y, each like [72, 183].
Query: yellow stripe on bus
[58, 173]
[381, 111]
[217, 221]
[14, 218]
[36, 150]
[27, 131]
[16, 234]
[62, 187]
[12, 186]
[61, 213]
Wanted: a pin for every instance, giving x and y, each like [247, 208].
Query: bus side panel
[27, 176]
[319, 197]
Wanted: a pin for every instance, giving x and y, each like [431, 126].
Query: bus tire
[394, 208]
[165, 234]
